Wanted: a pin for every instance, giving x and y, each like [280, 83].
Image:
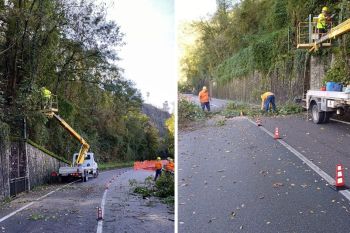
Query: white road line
[344, 122]
[100, 223]
[319, 171]
[31, 203]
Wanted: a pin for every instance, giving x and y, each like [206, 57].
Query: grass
[114, 165]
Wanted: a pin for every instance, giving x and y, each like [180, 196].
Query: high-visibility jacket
[321, 21]
[158, 165]
[170, 166]
[265, 95]
[46, 93]
[203, 96]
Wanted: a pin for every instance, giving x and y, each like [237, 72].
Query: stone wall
[318, 67]
[40, 166]
[23, 162]
[250, 88]
[286, 87]
[4, 165]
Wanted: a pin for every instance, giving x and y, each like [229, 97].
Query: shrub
[188, 111]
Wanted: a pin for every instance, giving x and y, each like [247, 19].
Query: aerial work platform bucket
[308, 34]
[49, 106]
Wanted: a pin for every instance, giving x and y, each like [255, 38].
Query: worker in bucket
[267, 99]
[159, 167]
[46, 96]
[204, 98]
[322, 21]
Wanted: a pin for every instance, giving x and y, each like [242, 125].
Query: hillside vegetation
[257, 38]
[70, 47]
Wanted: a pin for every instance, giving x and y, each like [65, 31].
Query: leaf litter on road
[277, 185]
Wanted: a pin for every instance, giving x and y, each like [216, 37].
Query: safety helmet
[325, 8]
[158, 158]
[171, 160]
[168, 158]
[204, 88]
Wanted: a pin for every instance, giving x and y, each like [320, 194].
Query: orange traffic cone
[258, 122]
[339, 176]
[277, 135]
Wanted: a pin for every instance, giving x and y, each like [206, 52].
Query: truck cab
[83, 171]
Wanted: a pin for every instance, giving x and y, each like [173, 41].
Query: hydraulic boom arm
[339, 30]
[84, 145]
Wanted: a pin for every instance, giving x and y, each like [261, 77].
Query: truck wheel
[86, 176]
[326, 117]
[317, 117]
[96, 174]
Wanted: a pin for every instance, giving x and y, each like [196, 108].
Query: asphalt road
[215, 104]
[73, 207]
[237, 178]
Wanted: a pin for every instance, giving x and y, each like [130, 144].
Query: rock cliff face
[157, 116]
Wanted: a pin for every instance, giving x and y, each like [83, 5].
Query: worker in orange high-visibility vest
[170, 165]
[159, 167]
[204, 98]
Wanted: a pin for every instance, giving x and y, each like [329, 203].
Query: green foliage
[163, 187]
[239, 65]
[114, 165]
[339, 72]
[289, 108]
[234, 109]
[70, 49]
[252, 36]
[188, 111]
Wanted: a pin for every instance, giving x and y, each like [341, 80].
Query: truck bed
[330, 94]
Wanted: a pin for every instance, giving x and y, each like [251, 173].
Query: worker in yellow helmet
[159, 166]
[46, 95]
[322, 21]
[266, 99]
[170, 165]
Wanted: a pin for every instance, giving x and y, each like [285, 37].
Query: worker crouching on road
[322, 21]
[266, 99]
[159, 167]
[204, 98]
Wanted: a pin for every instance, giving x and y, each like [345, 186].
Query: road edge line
[100, 223]
[31, 203]
[315, 168]
[344, 122]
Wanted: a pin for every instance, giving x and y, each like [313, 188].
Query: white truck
[88, 167]
[323, 104]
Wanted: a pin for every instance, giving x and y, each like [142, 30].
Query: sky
[150, 55]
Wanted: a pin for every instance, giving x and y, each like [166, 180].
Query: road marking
[103, 201]
[319, 171]
[100, 223]
[345, 122]
[31, 203]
